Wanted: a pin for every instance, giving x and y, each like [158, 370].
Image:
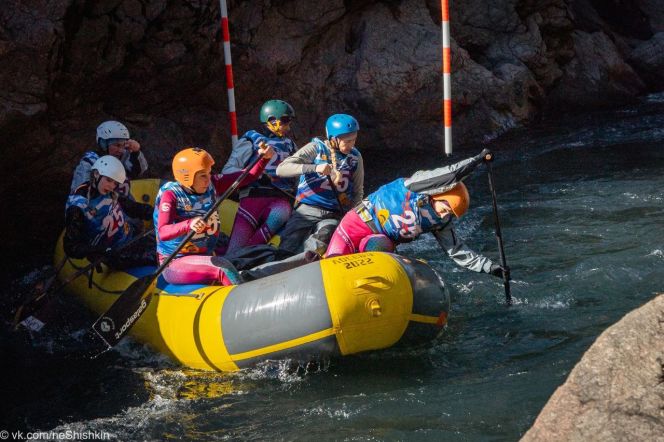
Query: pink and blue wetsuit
[401, 211]
[264, 207]
[175, 207]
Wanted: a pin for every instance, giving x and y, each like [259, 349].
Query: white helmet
[111, 130]
[110, 167]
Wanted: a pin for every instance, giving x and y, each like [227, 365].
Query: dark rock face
[648, 58]
[616, 391]
[67, 65]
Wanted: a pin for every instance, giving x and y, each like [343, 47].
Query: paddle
[488, 158]
[112, 325]
[336, 194]
[285, 192]
[38, 293]
[24, 314]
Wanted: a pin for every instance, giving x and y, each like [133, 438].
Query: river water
[581, 206]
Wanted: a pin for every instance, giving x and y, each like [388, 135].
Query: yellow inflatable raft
[336, 306]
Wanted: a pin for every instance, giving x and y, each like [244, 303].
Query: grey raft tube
[373, 300]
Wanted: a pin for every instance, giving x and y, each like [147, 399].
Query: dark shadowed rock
[655, 12]
[599, 68]
[648, 57]
[616, 391]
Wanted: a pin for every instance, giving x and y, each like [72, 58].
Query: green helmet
[276, 109]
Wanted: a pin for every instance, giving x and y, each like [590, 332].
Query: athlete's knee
[278, 213]
[228, 274]
[376, 243]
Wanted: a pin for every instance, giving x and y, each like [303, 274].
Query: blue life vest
[402, 214]
[283, 148]
[90, 157]
[105, 221]
[314, 189]
[189, 205]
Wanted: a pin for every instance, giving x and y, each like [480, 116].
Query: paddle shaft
[499, 236]
[285, 192]
[336, 194]
[18, 316]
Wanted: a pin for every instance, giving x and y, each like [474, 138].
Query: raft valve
[373, 305]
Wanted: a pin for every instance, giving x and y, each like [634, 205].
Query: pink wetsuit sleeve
[167, 215]
[224, 181]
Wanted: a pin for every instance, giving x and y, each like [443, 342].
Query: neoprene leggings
[257, 220]
[201, 269]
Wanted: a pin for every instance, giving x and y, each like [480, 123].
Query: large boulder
[616, 391]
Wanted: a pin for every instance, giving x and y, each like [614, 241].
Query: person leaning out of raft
[265, 204]
[112, 139]
[180, 206]
[96, 219]
[402, 210]
[331, 182]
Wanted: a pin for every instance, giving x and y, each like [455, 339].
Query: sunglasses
[285, 119]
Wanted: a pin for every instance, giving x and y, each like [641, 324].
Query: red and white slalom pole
[232, 117]
[447, 80]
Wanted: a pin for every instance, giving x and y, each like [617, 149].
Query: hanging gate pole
[447, 71]
[232, 117]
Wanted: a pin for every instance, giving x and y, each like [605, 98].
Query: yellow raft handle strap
[375, 282]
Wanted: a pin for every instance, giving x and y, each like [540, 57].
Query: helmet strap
[189, 189]
[95, 177]
[103, 145]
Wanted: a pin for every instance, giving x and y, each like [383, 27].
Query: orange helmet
[457, 197]
[189, 161]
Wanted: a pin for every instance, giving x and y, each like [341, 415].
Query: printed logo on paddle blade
[130, 320]
[106, 324]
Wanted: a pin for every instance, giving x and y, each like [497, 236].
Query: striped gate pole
[447, 80]
[232, 117]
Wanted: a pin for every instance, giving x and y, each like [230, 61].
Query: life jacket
[314, 189]
[105, 221]
[283, 148]
[402, 214]
[189, 205]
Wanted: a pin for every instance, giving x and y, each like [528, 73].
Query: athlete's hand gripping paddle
[112, 325]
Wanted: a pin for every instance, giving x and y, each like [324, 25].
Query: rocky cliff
[616, 391]
[157, 65]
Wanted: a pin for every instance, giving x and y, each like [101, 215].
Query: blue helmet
[340, 124]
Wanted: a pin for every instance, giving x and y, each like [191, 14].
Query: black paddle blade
[123, 314]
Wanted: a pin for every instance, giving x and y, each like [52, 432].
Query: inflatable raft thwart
[336, 306]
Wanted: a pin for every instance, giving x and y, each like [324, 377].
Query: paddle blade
[123, 314]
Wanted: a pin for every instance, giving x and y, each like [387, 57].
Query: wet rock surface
[616, 391]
